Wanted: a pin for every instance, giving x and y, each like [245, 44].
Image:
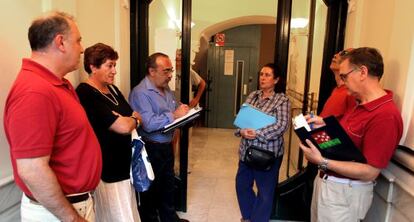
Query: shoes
[183, 220]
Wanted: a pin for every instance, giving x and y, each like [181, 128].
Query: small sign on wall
[219, 39]
[228, 62]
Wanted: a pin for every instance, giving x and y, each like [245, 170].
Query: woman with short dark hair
[113, 120]
[270, 99]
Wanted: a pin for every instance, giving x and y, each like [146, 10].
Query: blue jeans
[256, 207]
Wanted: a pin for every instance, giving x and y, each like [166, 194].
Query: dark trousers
[157, 204]
[256, 207]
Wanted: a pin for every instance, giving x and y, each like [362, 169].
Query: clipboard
[332, 141]
[250, 117]
[192, 114]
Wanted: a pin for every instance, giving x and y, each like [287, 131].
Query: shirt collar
[150, 85]
[370, 106]
[260, 93]
[43, 72]
[341, 86]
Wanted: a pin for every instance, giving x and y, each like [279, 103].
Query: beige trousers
[34, 212]
[340, 202]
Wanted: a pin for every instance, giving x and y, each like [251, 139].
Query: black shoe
[183, 220]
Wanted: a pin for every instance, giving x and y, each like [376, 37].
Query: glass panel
[165, 36]
[298, 54]
[321, 11]
[298, 48]
[239, 86]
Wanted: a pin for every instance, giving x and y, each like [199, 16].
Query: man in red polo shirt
[375, 126]
[339, 101]
[55, 154]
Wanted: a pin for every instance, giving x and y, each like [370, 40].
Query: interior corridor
[213, 158]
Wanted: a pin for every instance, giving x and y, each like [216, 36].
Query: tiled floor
[212, 165]
[213, 157]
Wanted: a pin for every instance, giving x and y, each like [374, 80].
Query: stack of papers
[191, 115]
[300, 121]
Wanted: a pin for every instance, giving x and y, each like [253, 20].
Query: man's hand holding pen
[181, 110]
[314, 121]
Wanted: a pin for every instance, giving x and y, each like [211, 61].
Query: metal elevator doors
[231, 78]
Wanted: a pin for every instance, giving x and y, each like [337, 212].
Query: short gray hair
[44, 29]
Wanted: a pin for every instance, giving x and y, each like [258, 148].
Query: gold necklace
[114, 101]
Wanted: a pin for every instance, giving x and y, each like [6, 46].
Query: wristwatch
[324, 165]
[136, 120]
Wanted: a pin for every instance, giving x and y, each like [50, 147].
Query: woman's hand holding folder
[249, 134]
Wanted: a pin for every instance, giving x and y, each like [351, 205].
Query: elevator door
[231, 80]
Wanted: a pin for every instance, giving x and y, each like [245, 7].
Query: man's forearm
[354, 170]
[42, 182]
[200, 90]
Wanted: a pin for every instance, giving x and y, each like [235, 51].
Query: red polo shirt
[376, 128]
[43, 117]
[338, 103]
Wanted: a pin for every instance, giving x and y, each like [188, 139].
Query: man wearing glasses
[344, 191]
[154, 100]
[339, 100]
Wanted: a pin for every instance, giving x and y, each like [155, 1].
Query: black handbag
[258, 158]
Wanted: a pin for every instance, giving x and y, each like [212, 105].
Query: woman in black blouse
[270, 99]
[113, 120]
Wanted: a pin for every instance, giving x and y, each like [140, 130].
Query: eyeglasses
[343, 52]
[343, 76]
[168, 71]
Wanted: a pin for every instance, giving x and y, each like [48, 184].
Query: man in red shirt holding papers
[344, 189]
[55, 154]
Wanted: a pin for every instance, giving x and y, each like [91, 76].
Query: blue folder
[250, 117]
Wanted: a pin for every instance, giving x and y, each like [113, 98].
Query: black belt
[330, 173]
[71, 199]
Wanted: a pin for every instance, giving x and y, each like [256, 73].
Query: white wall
[14, 45]
[387, 25]
[99, 21]
[107, 22]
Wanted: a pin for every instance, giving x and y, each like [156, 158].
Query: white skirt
[116, 202]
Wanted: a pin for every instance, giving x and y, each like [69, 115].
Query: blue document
[250, 117]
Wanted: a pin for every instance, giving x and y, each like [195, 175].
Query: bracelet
[136, 120]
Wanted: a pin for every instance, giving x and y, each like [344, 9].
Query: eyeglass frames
[343, 52]
[344, 76]
[168, 70]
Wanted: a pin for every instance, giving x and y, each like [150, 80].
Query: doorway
[332, 41]
[232, 73]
